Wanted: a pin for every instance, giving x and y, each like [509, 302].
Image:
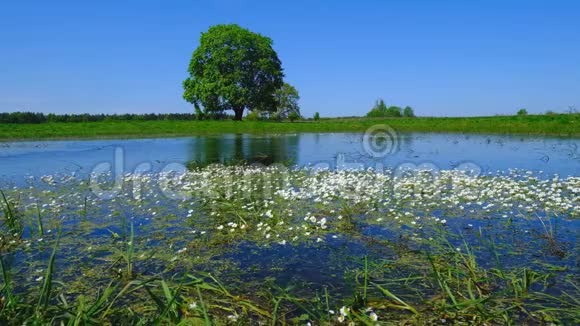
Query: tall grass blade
[402, 304]
[206, 318]
[39, 221]
[46, 289]
[7, 289]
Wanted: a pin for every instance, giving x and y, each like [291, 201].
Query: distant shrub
[316, 116]
[293, 116]
[522, 112]
[219, 115]
[286, 102]
[394, 111]
[408, 112]
[253, 115]
[199, 115]
[275, 116]
[550, 112]
[380, 110]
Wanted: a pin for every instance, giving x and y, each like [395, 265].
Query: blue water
[311, 267]
[490, 152]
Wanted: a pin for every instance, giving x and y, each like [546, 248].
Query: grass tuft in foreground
[277, 246]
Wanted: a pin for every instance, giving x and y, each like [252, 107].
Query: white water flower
[232, 317]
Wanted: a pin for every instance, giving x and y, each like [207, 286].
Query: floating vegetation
[271, 245]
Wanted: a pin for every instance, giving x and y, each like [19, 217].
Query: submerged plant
[273, 245]
[12, 217]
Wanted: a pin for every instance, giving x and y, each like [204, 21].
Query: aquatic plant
[274, 245]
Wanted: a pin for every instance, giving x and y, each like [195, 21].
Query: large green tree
[233, 69]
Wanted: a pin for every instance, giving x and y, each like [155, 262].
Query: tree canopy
[381, 110]
[287, 102]
[408, 112]
[233, 69]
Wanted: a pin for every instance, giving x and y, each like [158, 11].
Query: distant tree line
[381, 110]
[571, 110]
[37, 117]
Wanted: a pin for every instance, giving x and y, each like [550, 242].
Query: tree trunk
[239, 113]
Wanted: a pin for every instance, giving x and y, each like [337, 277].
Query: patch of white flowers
[278, 206]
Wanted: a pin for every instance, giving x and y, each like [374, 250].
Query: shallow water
[96, 230]
[445, 151]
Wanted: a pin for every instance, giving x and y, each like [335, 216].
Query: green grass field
[555, 125]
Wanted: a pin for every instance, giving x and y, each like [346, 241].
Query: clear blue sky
[443, 58]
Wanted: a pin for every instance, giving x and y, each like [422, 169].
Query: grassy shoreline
[549, 125]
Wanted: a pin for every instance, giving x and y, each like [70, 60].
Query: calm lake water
[489, 152]
[297, 239]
